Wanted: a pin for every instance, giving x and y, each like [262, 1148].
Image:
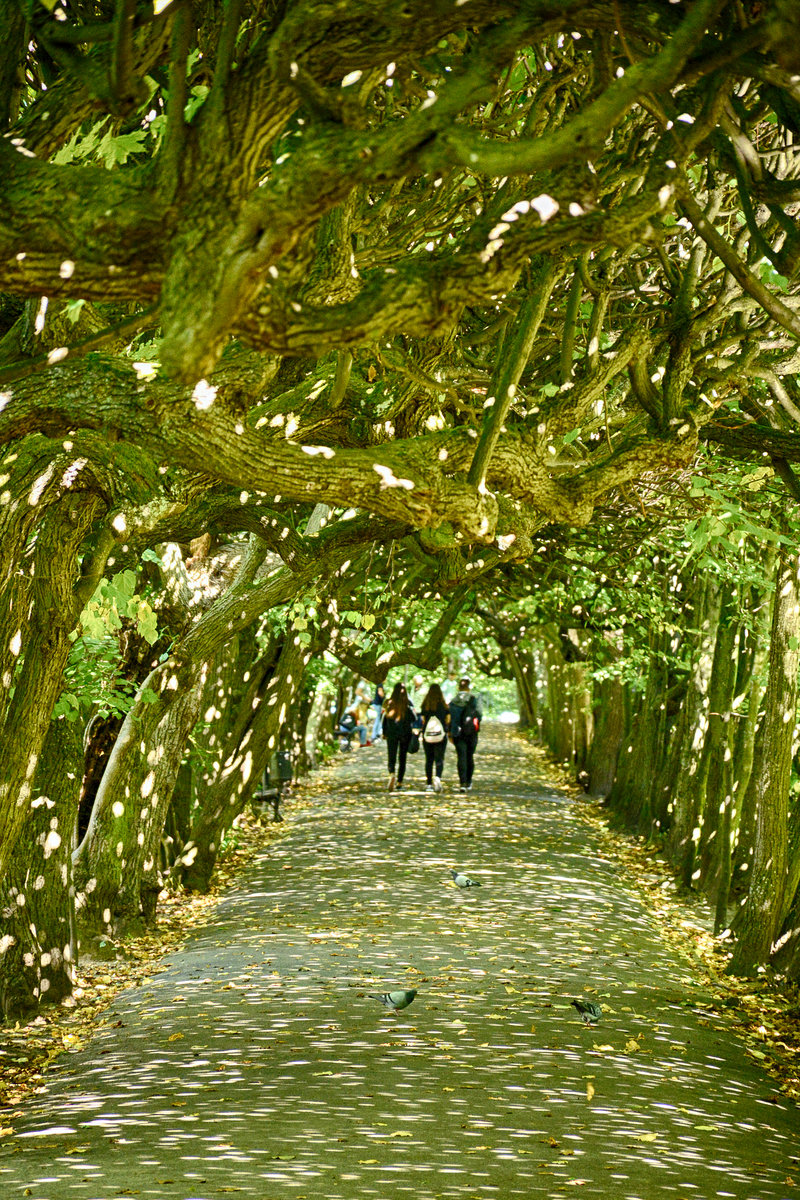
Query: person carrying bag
[398, 726]
[435, 726]
[465, 722]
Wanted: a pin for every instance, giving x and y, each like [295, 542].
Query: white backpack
[434, 731]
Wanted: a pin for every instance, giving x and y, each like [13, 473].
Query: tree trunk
[522, 668]
[318, 721]
[743, 759]
[692, 726]
[243, 766]
[42, 644]
[633, 794]
[763, 909]
[131, 804]
[715, 769]
[143, 880]
[786, 953]
[38, 949]
[609, 727]
[294, 740]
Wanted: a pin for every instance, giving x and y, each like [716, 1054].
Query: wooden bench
[277, 779]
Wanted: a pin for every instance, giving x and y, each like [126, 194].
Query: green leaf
[198, 97]
[72, 310]
[115, 151]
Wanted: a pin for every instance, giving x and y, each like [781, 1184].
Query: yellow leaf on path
[400, 1133]
[646, 1137]
[173, 1037]
[589, 1091]
[632, 1046]
[604, 1048]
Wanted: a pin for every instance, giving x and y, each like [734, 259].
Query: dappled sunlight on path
[256, 1065]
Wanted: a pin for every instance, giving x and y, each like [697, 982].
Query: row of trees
[677, 702]
[326, 328]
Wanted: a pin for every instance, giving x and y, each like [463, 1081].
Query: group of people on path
[436, 723]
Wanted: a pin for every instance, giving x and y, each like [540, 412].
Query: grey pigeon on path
[463, 881]
[394, 1000]
[590, 1011]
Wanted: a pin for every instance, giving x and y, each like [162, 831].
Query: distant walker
[465, 722]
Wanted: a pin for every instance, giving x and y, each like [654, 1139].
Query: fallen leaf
[589, 1091]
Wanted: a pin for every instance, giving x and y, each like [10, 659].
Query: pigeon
[394, 1000]
[463, 881]
[590, 1011]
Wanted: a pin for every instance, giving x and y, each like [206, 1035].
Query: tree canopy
[410, 310]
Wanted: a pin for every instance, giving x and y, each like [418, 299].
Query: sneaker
[437, 785]
[428, 787]
[462, 789]
[398, 787]
[469, 787]
[392, 783]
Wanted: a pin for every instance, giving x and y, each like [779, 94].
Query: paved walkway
[256, 1066]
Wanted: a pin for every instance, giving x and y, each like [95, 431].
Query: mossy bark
[246, 756]
[764, 907]
[38, 946]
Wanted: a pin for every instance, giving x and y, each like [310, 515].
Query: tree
[766, 903]
[471, 272]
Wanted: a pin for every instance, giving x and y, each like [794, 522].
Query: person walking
[435, 725]
[417, 691]
[398, 722]
[465, 720]
[377, 708]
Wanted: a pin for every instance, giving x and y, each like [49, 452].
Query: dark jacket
[399, 729]
[464, 703]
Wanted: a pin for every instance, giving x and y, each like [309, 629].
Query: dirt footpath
[256, 1065]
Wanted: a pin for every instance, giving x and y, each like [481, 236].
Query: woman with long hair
[398, 722]
[435, 728]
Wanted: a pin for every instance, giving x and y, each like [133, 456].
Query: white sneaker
[437, 785]
[429, 787]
